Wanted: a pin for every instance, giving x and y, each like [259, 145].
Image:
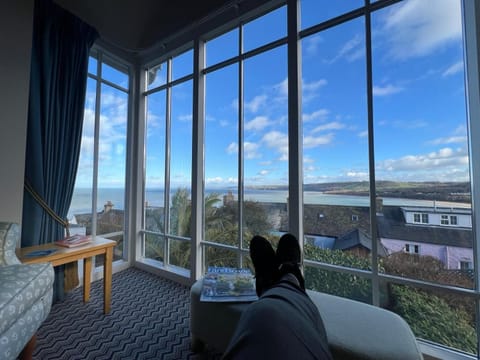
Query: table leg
[87, 276]
[107, 280]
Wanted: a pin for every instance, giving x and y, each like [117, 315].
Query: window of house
[420, 218]
[448, 220]
[98, 203]
[466, 265]
[354, 217]
[412, 249]
[444, 220]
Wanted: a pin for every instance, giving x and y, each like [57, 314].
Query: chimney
[108, 206]
[228, 199]
[379, 205]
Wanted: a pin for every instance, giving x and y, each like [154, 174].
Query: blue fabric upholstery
[25, 295]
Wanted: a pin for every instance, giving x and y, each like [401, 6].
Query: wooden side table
[64, 255]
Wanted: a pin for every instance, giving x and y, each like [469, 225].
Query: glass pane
[92, 65]
[181, 160]
[180, 253]
[155, 162]
[154, 247]
[314, 12]
[444, 318]
[80, 212]
[220, 257]
[335, 147]
[115, 76]
[335, 283]
[265, 146]
[182, 65]
[221, 156]
[222, 47]
[265, 29]
[421, 144]
[112, 163]
[157, 76]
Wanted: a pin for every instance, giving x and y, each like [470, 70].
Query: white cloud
[232, 148]
[232, 180]
[335, 125]
[316, 115]
[363, 134]
[446, 157]
[450, 140]
[309, 89]
[250, 150]
[314, 85]
[352, 50]
[277, 141]
[418, 27]
[314, 141]
[386, 90]
[263, 172]
[256, 103]
[311, 44]
[257, 124]
[185, 118]
[214, 180]
[454, 69]
[357, 175]
[282, 88]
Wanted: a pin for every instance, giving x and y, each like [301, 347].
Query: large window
[168, 163]
[98, 203]
[383, 154]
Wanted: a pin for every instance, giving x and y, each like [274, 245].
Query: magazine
[74, 240]
[222, 284]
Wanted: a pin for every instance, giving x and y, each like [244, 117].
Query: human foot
[263, 259]
[289, 258]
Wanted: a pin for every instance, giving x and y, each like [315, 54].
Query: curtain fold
[59, 65]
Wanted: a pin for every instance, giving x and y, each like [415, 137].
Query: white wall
[16, 24]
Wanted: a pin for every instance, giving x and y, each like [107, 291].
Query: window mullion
[168, 141]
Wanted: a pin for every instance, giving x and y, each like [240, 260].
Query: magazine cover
[74, 240]
[222, 284]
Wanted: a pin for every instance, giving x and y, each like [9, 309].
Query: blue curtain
[58, 78]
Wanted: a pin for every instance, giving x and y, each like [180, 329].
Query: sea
[82, 199]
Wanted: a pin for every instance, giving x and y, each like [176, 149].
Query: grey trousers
[282, 324]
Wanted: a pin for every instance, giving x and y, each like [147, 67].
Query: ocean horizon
[82, 199]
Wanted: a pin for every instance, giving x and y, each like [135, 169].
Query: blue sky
[419, 103]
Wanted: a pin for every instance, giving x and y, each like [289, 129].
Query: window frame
[295, 194]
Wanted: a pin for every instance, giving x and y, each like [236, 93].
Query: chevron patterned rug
[149, 319]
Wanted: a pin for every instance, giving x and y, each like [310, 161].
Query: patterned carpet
[149, 319]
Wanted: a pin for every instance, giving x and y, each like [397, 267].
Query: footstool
[355, 331]
[212, 323]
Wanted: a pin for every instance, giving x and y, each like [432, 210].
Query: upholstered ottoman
[355, 330]
[212, 323]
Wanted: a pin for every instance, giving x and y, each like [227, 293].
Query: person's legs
[263, 259]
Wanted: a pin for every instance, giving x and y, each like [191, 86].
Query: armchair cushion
[20, 287]
[9, 235]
